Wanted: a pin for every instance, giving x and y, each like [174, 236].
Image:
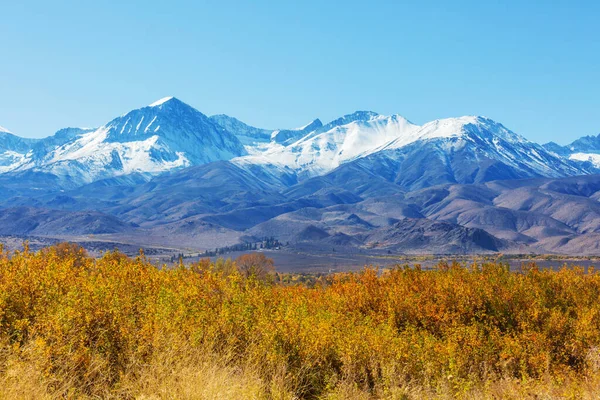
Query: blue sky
[534, 66]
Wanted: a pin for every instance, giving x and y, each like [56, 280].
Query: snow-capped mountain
[388, 140]
[490, 140]
[165, 135]
[13, 150]
[168, 170]
[590, 143]
[464, 150]
[321, 148]
[585, 149]
[169, 134]
[288, 136]
[248, 135]
[12, 142]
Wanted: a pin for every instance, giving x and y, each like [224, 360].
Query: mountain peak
[361, 115]
[162, 101]
[346, 119]
[312, 125]
[586, 144]
[471, 125]
[166, 135]
[168, 105]
[288, 136]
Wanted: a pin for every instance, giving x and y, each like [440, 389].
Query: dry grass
[192, 376]
[196, 375]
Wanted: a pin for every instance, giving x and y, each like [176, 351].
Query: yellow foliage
[72, 326]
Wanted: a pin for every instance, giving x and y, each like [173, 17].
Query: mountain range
[166, 174]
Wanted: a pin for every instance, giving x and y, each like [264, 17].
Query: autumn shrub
[115, 326]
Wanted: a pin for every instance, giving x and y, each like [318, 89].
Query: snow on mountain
[593, 158]
[288, 136]
[18, 154]
[248, 135]
[585, 149]
[166, 135]
[169, 134]
[255, 139]
[557, 149]
[455, 127]
[95, 156]
[463, 150]
[490, 140]
[585, 144]
[361, 134]
[326, 147]
[61, 137]
[161, 101]
[11, 160]
[10, 141]
[13, 150]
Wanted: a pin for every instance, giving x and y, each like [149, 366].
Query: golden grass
[197, 375]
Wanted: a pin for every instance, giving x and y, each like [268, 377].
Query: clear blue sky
[534, 65]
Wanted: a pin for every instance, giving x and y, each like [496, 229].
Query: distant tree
[255, 264]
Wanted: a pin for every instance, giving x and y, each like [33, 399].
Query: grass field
[76, 327]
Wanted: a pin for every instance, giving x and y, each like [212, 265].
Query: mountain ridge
[149, 140]
[169, 174]
[169, 134]
[585, 150]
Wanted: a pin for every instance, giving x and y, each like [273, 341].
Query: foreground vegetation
[115, 327]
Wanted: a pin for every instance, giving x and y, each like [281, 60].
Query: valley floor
[292, 259]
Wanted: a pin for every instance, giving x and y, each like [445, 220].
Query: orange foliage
[255, 264]
[95, 320]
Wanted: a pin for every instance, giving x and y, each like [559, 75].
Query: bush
[108, 327]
